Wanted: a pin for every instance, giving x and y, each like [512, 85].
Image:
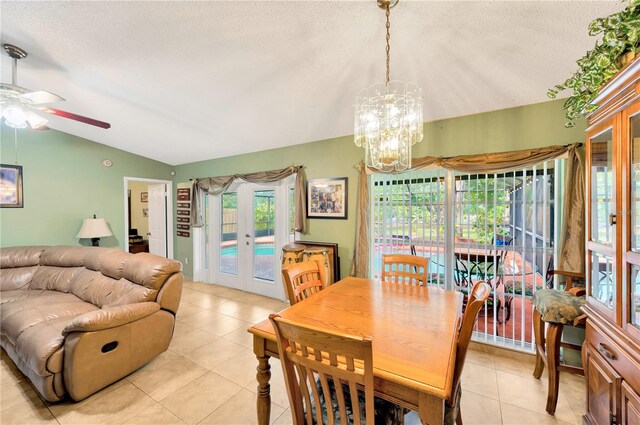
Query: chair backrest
[301, 280]
[319, 365]
[405, 269]
[477, 298]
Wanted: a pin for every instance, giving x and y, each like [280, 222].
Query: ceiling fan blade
[75, 117]
[40, 97]
[35, 121]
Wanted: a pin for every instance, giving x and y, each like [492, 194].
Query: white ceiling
[187, 81]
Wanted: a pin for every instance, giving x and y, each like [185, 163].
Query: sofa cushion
[54, 278]
[92, 286]
[18, 278]
[20, 256]
[64, 256]
[19, 294]
[21, 315]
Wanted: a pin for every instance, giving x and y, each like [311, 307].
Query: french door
[247, 228]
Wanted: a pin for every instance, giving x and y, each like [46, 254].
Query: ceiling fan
[18, 103]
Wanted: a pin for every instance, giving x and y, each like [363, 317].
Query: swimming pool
[258, 250]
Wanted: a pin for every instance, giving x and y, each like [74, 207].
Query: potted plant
[619, 45]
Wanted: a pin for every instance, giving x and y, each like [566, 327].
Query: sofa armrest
[111, 317]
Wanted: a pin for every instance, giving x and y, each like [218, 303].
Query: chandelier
[388, 117]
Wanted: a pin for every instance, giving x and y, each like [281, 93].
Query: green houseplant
[619, 44]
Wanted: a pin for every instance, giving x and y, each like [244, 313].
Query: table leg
[430, 409]
[264, 397]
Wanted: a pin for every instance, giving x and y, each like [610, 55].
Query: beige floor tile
[514, 415]
[574, 387]
[169, 378]
[481, 358]
[284, 419]
[251, 314]
[240, 369]
[31, 412]
[275, 305]
[240, 336]
[115, 407]
[200, 318]
[14, 392]
[530, 393]
[181, 328]
[224, 325]
[522, 366]
[161, 360]
[240, 410]
[195, 401]
[477, 409]
[66, 405]
[190, 341]
[230, 293]
[205, 300]
[480, 380]
[229, 307]
[214, 353]
[186, 309]
[155, 415]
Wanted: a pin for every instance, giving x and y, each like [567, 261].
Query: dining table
[414, 331]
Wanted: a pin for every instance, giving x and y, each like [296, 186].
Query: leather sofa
[76, 319]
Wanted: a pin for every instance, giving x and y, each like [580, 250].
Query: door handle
[612, 219]
[247, 235]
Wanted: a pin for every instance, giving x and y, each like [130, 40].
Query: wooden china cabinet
[611, 352]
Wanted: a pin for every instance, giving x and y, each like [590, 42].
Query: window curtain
[572, 252]
[218, 185]
[360, 268]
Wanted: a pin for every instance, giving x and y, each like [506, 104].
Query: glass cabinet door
[632, 254]
[602, 219]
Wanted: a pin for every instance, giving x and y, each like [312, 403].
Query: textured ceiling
[188, 81]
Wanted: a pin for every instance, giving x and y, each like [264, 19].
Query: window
[499, 228]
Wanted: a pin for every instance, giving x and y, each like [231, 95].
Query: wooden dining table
[414, 332]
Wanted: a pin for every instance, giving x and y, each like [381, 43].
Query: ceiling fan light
[14, 116]
[35, 120]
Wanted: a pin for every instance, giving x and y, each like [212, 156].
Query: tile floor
[208, 377]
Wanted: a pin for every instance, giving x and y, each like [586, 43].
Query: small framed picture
[11, 186]
[327, 198]
[145, 212]
[144, 197]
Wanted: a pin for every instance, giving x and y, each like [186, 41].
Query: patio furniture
[419, 378]
[302, 280]
[405, 269]
[556, 309]
[474, 265]
[339, 390]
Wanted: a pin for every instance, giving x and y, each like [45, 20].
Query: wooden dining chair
[479, 295]
[329, 376]
[405, 269]
[302, 280]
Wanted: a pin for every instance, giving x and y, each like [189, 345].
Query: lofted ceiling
[188, 81]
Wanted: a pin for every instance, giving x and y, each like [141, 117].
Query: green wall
[523, 127]
[65, 182]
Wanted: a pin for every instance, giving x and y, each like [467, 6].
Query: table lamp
[94, 228]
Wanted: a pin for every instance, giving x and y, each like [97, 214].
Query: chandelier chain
[388, 25]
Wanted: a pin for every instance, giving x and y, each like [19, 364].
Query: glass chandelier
[388, 117]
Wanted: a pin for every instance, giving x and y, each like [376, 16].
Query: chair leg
[459, 417]
[538, 331]
[554, 338]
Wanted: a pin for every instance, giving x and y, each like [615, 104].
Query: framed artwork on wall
[144, 196]
[11, 186]
[327, 198]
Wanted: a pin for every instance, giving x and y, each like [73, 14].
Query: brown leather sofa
[77, 319]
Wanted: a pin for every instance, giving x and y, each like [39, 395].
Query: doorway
[246, 228]
[148, 216]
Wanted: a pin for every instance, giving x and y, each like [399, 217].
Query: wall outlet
[186, 260]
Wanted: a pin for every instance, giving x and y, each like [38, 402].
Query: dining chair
[329, 377]
[557, 308]
[302, 280]
[479, 295]
[405, 269]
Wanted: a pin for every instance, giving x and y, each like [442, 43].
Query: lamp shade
[94, 228]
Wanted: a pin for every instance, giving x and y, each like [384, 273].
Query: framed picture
[11, 186]
[144, 197]
[327, 198]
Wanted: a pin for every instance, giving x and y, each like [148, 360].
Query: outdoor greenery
[620, 40]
